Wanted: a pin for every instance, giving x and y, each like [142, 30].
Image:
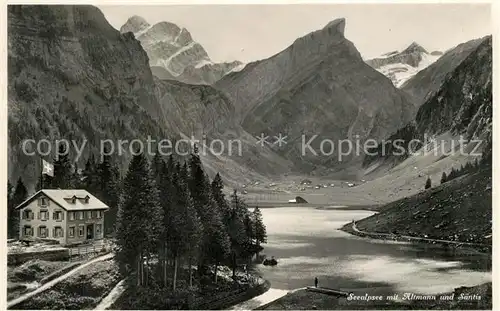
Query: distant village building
[297, 199]
[67, 216]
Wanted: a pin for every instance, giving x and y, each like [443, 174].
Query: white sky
[252, 32]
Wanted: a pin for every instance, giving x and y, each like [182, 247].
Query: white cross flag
[47, 168]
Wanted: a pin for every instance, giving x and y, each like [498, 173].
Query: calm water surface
[307, 244]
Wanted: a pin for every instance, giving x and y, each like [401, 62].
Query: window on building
[28, 214]
[43, 232]
[80, 215]
[44, 201]
[58, 232]
[71, 215]
[44, 215]
[27, 231]
[89, 214]
[81, 230]
[57, 215]
[71, 231]
[98, 214]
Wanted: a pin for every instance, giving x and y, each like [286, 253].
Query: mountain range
[72, 75]
[402, 66]
[174, 55]
[319, 85]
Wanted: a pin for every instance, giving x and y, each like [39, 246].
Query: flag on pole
[47, 168]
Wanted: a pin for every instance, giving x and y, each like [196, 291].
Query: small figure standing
[315, 282]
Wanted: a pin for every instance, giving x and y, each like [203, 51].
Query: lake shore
[465, 248]
[318, 206]
[476, 298]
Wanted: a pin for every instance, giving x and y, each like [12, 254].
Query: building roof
[69, 199]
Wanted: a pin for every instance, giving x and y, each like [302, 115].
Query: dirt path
[48, 285]
[412, 238]
[112, 296]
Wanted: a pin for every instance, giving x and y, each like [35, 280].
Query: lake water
[307, 244]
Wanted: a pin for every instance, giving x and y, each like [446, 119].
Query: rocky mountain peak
[173, 54]
[134, 24]
[414, 47]
[336, 26]
[401, 66]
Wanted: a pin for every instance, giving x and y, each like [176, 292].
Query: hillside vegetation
[458, 210]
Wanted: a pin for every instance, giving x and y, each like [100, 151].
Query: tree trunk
[138, 269]
[142, 269]
[176, 260]
[147, 272]
[190, 271]
[216, 266]
[234, 265]
[165, 264]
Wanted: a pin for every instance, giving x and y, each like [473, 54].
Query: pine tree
[10, 210]
[139, 219]
[108, 187]
[428, 183]
[217, 192]
[443, 178]
[185, 236]
[19, 195]
[260, 228]
[197, 182]
[10, 189]
[217, 244]
[236, 228]
[90, 176]
[249, 230]
[166, 193]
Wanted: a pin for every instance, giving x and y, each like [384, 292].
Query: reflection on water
[308, 244]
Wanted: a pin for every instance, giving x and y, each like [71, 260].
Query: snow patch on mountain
[172, 48]
[203, 62]
[399, 73]
[402, 66]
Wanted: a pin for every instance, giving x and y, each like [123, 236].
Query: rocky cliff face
[427, 81]
[174, 54]
[462, 105]
[317, 86]
[401, 66]
[73, 76]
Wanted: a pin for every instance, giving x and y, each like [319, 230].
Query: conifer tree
[76, 178]
[90, 176]
[10, 191]
[236, 228]
[428, 183]
[249, 230]
[260, 228]
[217, 245]
[139, 219]
[108, 187]
[19, 195]
[186, 226]
[217, 192]
[443, 178]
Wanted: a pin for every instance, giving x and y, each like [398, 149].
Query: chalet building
[67, 216]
